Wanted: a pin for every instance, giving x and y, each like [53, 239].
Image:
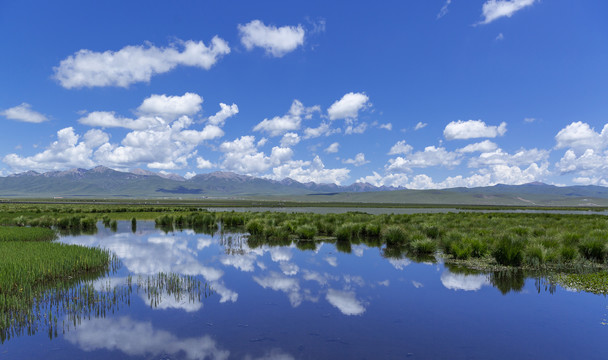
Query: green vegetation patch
[31, 265]
[596, 283]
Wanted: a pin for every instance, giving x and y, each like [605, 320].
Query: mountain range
[103, 182]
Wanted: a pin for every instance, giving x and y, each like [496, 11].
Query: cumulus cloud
[171, 107]
[323, 129]
[290, 139]
[348, 106]
[358, 160]
[226, 111]
[387, 126]
[579, 136]
[431, 156]
[307, 171]
[276, 41]
[484, 147]
[396, 180]
[201, 163]
[333, 148]
[23, 113]
[499, 157]
[590, 164]
[108, 119]
[495, 9]
[242, 156]
[473, 129]
[400, 148]
[345, 301]
[291, 121]
[68, 151]
[132, 64]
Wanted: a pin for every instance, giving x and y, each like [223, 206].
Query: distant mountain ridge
[103, 182]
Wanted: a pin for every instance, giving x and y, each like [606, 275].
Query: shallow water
[285, 303]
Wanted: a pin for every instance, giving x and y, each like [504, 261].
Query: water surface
[280, 302]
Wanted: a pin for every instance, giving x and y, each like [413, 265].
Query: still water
[280, 302]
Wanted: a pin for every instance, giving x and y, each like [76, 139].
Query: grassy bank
[31, 266]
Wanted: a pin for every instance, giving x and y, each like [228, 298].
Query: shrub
[424, 247]
[255, 227]
[307, 232]
[509, 251]
[394, 234]
[593, 249]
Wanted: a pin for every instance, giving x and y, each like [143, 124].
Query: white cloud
[189, 175]
[290, 139]
[345, 301]
[358, 129]
[333, 148]
[24, 113]
[275, 41]
[396, 180]
[387, 126]
[109, 119]
[133, 64]
[201, 163]
[529, 119]
[357, 161]
[166, 146]
[499, 157]
[579, 136]
[473, 129]
[400, 148]
[495, 9]
[306, 171]
[171, 107]
[420, 125]
[444, 9]
[226, 111]
[431, 156]
[66, 152]
[323, 129]
[291, 121]
[496, 174]
[499, 37]
[241, 156]
[589, 164]
[348, 106]
[484, 147]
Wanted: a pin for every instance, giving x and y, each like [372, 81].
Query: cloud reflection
[463, 282]
[345, 301]
[135, 338]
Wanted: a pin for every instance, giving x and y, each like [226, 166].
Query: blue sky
[421, 94]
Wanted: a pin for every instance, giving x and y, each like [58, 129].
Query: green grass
[31, 266]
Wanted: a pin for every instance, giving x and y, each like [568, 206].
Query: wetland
[181, 282]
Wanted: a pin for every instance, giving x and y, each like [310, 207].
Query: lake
[282, 302]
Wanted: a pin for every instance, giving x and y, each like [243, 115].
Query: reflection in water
[136, 338]
[464, 282]
[326, 290]
[345, 301]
